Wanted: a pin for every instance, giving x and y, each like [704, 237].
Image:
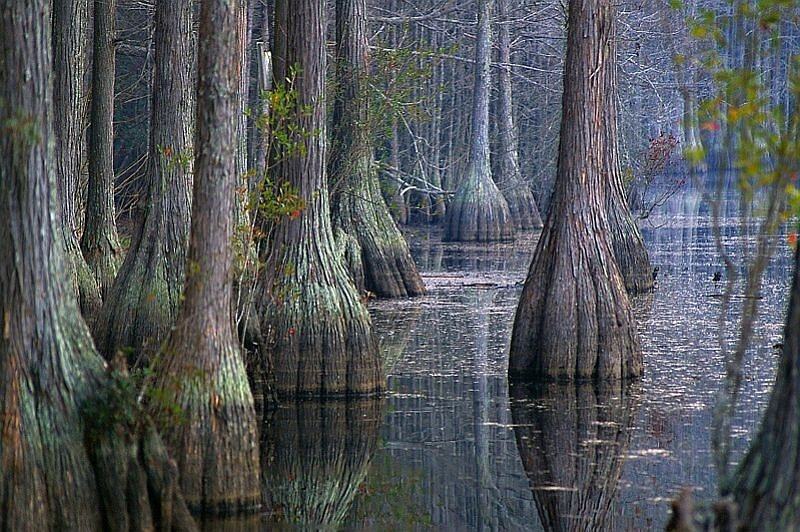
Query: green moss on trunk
[143, 301]
[62, 463]
[318, 330]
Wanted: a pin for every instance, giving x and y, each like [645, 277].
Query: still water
[453, 447]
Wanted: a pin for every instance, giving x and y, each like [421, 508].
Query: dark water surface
[452, 447]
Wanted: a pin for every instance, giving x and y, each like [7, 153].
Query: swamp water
[453, 447]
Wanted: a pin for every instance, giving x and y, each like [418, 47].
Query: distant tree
[520, 199]
[100, 242]
[319, 331]
[626, 239]
[478, 211]
[574, 319]
[70, 54]
[144, 300]
[201, 370]
[377, 253]
[75, 453]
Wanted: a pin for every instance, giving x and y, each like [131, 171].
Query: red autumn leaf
[792, 238]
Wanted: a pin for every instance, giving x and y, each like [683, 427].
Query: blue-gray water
[452, 448]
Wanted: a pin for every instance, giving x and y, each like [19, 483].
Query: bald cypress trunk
[626, 239]
[478, 211]
[100, 242]
[201, 368]
[70, 459]
[70, 37]
[378, 257]
[146, 295]
[320, 333]
[574, 320]
[517, 193]
[766, 486]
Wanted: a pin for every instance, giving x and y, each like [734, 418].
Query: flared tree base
[629, 249]
[139, 311]
[478, 213]
[104, 259]
[85, 284]
[574, 320]
[375, 250]
[523, 209]
[204, 405]
[321, 341]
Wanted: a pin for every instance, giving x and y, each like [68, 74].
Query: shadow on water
[573, 440]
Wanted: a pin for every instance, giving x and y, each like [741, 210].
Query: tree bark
[574, 319]
[626, 239]
[69, 458]
[766, 485]
[100, 242]
[479, 213]
[379, 259]
[201, 369]
[145, 297]
[319, 331]
[520, 199]
[70, 35]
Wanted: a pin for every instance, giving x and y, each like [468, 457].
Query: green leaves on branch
[764, 134]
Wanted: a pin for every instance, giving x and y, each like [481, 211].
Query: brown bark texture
[100, 242]
[379, 260]
[70, 38]
[70, 459]
[478, 212]
[201, 369]
[318, 330]
[766, 486]
[574, 319]
[626, 239]
[144, 300]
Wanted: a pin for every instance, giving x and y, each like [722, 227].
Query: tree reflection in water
[573, 439]
[315, 455]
